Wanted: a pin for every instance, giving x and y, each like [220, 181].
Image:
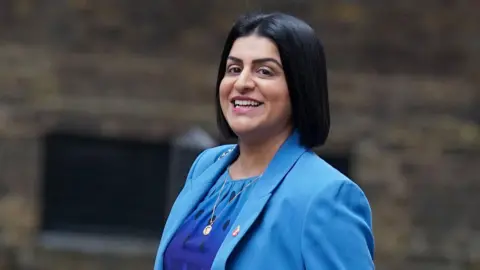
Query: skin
[254, 70]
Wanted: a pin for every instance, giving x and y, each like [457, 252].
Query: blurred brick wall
[404, 89]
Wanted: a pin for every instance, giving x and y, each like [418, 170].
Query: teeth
[246, 103]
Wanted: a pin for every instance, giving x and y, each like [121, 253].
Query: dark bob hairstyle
[304, 66]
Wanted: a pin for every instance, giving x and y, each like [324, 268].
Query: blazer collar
[281, 164]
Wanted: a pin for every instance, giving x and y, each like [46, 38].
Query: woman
[269, 202]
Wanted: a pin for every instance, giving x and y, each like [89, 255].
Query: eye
[264, 71]
[233, 69]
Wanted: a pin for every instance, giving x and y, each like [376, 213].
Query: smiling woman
[253, 93]
[269, 202]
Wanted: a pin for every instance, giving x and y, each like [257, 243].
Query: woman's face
[253, 92]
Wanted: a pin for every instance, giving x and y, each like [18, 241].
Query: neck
[255, 156]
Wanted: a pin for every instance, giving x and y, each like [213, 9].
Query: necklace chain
[208, 228]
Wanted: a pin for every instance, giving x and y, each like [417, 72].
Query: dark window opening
[103, 185]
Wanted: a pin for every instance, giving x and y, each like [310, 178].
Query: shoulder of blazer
[210, 156]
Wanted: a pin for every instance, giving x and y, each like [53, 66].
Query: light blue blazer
[302, 214]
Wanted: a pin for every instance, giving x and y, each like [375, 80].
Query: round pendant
[207, 230]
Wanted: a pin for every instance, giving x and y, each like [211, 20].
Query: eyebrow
[256, 61]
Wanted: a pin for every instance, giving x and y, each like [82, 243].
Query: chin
[242, 130]
[249, 132]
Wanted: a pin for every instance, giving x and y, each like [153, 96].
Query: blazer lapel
[191, 197]
[281, 164]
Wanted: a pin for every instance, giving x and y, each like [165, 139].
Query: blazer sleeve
[337, 233]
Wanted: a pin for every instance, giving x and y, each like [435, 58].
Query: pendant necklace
[209, 227]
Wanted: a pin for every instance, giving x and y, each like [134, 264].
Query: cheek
[281, 101]
[224, 89]
[222, 92]
[286, 102]
[285, 107]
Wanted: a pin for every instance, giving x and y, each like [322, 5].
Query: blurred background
[105, 104]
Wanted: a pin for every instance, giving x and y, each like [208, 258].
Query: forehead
[254, 47]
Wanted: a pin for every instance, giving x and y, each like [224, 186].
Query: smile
[246, 103]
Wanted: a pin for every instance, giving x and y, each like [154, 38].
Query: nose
[244, 82]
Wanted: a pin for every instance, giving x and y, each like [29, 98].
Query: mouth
[246, 103]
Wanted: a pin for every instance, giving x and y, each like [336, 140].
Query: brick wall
[404, 92]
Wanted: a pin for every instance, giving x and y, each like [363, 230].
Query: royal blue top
[190, 249]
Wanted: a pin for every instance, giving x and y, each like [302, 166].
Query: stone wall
[404, 92]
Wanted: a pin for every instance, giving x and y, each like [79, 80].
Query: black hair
[303, 60]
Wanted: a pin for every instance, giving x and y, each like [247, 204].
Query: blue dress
[190, 249]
